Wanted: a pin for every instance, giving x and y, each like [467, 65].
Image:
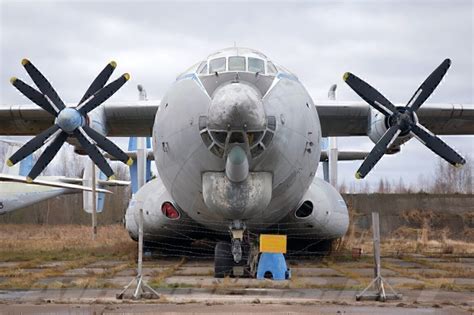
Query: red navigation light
[169, 211]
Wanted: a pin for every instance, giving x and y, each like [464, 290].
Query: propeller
[69, 122]
[403, 120]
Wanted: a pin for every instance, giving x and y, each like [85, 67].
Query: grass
[34, 244]
[33, 248]
[158, 280]
[72, 245]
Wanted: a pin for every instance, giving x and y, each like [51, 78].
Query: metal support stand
[142, 290]
[379, 282]
[94, 203]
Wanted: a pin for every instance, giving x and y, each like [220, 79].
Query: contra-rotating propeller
[403, 120]
[69, 122]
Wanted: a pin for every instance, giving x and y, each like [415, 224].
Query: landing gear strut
[237, 229]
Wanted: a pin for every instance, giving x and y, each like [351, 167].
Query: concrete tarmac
[429, 286]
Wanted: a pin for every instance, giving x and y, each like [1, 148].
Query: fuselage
[237, 97]
[14, 196]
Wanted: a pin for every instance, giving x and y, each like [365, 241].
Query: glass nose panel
[217, 65]
[256, 65]
[236, 63]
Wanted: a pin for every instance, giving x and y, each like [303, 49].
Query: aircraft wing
[49, 183]
[340, 119]
[122, 119]
[345, 155]
[337, 118]
[342, 156]
[133, 154]
[108, 183]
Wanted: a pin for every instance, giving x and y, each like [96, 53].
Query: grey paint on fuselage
[15, 196]
[182, 157]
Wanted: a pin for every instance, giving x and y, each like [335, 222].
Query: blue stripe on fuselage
[282, 75]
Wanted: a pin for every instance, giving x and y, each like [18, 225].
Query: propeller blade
[99, 81]
[33, 95]
[47, 155]
[108, 146]
[370, 94]
[429, 85]
[437, 145]
[32, 145]
[103, 94]
[43, 85]
[378, 151]
[94, 153]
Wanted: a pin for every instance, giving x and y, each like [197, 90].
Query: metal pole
[141, 147]
[142, 289]
[326, 171]
[332, 149]
[141, 162]
[140, 242]
[94, 204]
[378, 283]
[332, 159]
[376, 236]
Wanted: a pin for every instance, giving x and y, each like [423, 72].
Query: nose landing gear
[237, 229]
[237, 258]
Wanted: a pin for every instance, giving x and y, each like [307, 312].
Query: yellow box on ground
[270, 243]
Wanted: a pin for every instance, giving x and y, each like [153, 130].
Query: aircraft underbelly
[15, 196]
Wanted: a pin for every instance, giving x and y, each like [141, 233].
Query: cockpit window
[256, 65]
[236, 63]
[202, 67]
[217, 65]
[271, 69]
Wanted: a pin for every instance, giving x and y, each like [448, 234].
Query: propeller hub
[69, 119]
[403, 118]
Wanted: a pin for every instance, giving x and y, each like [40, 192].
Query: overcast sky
[394, 45]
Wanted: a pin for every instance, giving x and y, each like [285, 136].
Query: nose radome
[237, 105]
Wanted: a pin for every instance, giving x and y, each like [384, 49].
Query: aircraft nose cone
[238, 106]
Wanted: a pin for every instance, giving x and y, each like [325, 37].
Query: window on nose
[217, 65]
[236, 63]
[256, 65]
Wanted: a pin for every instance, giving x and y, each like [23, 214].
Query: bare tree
[449, 179]
[400, 187]
[343, 188]
[381, 187]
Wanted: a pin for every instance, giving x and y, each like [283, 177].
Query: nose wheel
[234, 258]
[237, 250]
[237, 229]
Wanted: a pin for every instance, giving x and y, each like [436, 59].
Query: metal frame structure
[142, 290]
[378, 283]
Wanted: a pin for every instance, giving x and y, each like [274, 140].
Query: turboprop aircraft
[236, 142]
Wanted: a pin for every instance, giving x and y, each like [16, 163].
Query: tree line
[445, 179]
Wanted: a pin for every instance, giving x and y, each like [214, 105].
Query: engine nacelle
[378, 125]
[322, 210]
[160, 214]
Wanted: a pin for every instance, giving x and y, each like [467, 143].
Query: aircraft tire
[223, 260]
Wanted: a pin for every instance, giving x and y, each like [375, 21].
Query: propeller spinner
[403, 120]
[70, 122]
